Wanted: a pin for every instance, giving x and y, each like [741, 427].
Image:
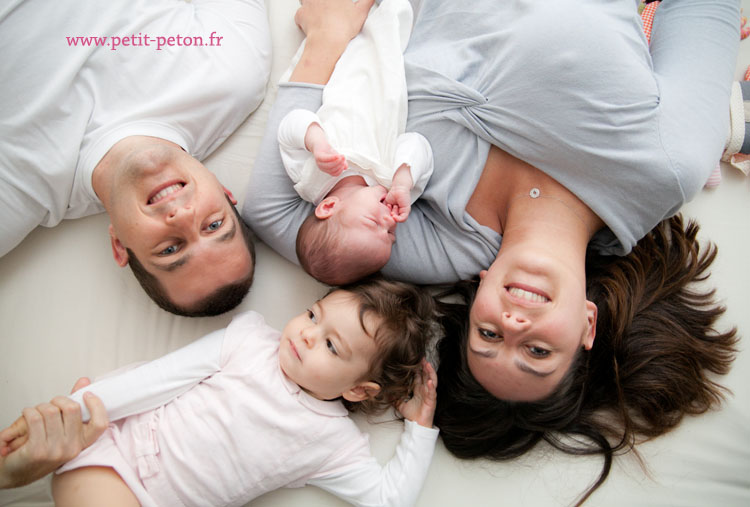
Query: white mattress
[66, 310]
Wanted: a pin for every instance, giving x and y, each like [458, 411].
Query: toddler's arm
[399, 482]
[145, 387]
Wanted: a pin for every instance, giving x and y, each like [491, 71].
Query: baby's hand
[421, 407]
[14, 436]
[328, 160]
[398, 198]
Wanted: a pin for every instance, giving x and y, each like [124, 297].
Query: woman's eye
[488, 335]
[171, 249]
[213, 226]
[538, 352]
[311, 316]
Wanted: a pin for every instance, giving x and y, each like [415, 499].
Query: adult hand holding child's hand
[48, 435]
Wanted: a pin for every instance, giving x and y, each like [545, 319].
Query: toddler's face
[327, 350]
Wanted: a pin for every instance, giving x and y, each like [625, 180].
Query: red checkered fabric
[647, 15]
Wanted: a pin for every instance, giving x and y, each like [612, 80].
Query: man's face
[175, 216]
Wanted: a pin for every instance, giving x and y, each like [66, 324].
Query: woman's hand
[329, 25]
[47, 436]
[420, 408]
[334, 20]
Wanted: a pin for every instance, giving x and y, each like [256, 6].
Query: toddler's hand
[421, 407]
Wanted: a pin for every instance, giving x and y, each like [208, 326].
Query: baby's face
[367, 222]
[327, 350]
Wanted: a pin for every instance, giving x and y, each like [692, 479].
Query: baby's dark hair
[324, 256]
[406, 314]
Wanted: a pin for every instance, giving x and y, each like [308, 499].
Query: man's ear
[119, 252]
[229, 194]
[361, 392]
[327, 207]
[591, 314]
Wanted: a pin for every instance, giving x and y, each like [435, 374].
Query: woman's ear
[119, 252]
[327, 207]
[591, 314]
[362, 392]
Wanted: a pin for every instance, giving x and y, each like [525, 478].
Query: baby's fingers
[14, 436]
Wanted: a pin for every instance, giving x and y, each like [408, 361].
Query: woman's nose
[515, 322]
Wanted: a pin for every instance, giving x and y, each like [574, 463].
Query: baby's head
[362, 342]
[348, 237]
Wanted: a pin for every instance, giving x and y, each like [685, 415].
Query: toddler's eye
[331, 347]
[311, 316]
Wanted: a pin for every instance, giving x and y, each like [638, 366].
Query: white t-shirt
[79, 78]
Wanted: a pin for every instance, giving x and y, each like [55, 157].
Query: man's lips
[164, 191]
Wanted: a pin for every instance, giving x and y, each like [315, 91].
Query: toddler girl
[246, 410]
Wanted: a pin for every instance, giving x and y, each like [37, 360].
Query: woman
[555, 131]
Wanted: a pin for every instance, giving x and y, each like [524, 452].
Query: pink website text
[144, 40]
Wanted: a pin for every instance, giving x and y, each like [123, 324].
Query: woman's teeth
[527, 295]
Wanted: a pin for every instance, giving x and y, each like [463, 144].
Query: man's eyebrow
[528, 369]
[227, 236]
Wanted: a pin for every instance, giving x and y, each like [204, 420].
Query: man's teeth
[528, 296]
[165, 192]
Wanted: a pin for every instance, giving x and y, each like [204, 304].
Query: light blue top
[567, 86]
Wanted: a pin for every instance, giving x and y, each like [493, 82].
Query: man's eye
[538, 351]
[213, 226]
[171, 249]
[331, 347]
[488, 335]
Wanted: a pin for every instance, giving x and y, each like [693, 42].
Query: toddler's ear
[362, 392]
[327, 207]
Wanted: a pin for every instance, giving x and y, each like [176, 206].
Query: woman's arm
[271, 206]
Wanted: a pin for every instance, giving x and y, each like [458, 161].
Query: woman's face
[529, 319]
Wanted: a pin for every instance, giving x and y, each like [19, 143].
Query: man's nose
[181, 215]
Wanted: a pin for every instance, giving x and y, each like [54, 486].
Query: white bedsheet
[66, 310]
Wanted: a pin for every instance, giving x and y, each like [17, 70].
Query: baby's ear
[327, 207]
[362, 392]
